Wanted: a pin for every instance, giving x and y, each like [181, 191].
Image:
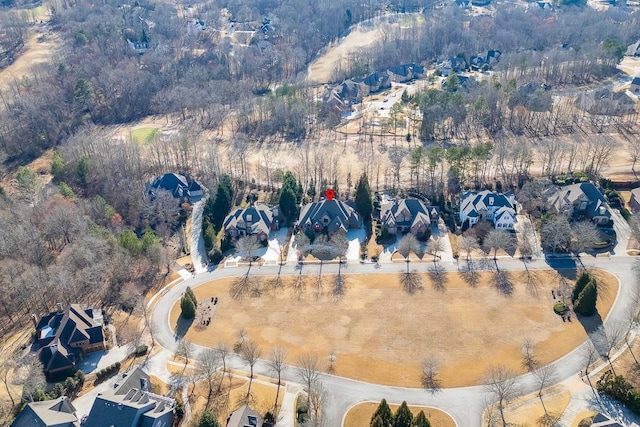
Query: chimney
[34, 320]
[59, 307]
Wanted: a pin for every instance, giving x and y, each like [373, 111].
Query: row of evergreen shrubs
[188, 304]
[585, 295]
[108, 371]
[383, 417]
[620, 389]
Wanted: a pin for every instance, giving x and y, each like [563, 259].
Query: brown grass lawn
[360, 415]
[527, 411]
[381, 334]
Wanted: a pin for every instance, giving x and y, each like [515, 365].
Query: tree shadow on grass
[182, 327]
[469, 273]
[437, 277]
[501, 280]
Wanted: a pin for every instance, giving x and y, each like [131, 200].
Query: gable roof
[58, 332]
[261, 219]
[504, 212]
[49, 413]
[416, 209]
[571, 194]
[407, 69]
[245, 417]
[472, 202]
[129, 403]
[339, 213]
[178, 185]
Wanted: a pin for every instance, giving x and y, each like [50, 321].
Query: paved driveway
[623, 233]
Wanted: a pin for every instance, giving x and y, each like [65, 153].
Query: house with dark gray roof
[64, 336]
[408, 216]
[499, 208]
[484, 60]
[181, 187]
[49, 413]
[635, 85]
[330, 216]
[130, 403]
[581, 200]
[406, 72]
[634, 201]
[245, 417]
[255, 220]
[374, 82]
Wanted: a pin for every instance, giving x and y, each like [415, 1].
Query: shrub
[79, 375]
[586, 302]
[141, 350]
[579, 286]
[560, 308]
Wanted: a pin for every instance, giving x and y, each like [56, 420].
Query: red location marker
[330, 194]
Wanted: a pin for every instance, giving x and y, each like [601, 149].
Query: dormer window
[491, 199]
[249, 217]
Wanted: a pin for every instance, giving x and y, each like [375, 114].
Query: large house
[64, 336]
[406, 72]
[634, 201]
[408, 216]
[181, 187]
[635, 86]
[245, 417]
[129, 403]
[486, 205]
[256, 220]
[49, 413]
[330, 216]
[581, 200]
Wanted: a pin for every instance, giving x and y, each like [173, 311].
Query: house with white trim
[499, 208]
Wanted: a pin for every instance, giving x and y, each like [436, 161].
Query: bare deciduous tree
[409, 244]
[209, 362]
[277, 360]
[223, 351]
[589, 355]
[430, 370]
[184, 350]
[247, 246]
[469, 244]
[250, 353]
[529, 362]
[501, 382]
[545, 376]
[309, 368]
[499, 239]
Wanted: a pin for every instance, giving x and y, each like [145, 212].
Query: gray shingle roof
[339, 214]
[58, 412]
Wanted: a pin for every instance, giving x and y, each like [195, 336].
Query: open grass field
[528, 410]
[381, 334]
[360, 415]
[143, 135]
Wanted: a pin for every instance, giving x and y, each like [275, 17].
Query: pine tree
[288, 204]
[364, 205]
[222, 202]
[207, 419]
[420, 420]
[191, 295]
[579, 286]
[586, 302]
[403, 416]
[384, 414]
[187, 307]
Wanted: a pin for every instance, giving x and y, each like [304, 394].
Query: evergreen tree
[364, 205]
[187, 307]
[579, 286]
[421, 420]
[383, 412]
[377, 422]
[82, 171]
[207, 419]
[586, 302]
[58, 167]
[191, 295]
[403, 416]
[288, 204]
[222, 202]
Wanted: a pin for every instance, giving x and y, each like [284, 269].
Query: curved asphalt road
[464, 404]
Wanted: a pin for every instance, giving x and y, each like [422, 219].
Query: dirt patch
[360, 415]
[380, 334]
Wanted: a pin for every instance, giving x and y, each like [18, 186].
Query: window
[249, 217]
[491, 201]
